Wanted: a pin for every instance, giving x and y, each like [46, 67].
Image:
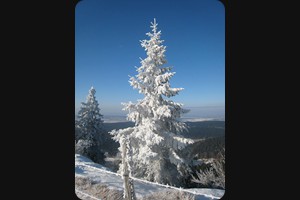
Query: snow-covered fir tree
[89, 129]
[155, 138]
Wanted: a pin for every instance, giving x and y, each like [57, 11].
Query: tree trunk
[129, 192]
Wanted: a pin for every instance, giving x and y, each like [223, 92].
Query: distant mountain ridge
[196, 131]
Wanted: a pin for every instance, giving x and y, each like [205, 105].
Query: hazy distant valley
[209, 137]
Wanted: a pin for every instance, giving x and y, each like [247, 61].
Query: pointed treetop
[92, 90]
[154, 25]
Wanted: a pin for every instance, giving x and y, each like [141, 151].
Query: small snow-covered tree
[155, 138]
[89, 129]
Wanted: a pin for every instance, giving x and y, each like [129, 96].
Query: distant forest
[208, 148]
[212, 131]
[205, 129]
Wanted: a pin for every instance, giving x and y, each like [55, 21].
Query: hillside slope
[85, 168]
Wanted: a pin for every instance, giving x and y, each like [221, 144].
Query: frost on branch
[155, 138]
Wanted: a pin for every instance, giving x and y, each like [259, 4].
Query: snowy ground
[84, 167]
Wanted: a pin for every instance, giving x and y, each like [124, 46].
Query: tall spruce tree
[155, 138]
[89, 129]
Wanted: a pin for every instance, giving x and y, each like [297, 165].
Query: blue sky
[107, 49]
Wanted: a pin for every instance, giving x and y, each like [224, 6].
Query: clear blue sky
[107, 49]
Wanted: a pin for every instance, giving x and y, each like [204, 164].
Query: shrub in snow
[89, 129]
[170, 195]
[89, 149]
[155, 138]
[96, 190]
[215, 175]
